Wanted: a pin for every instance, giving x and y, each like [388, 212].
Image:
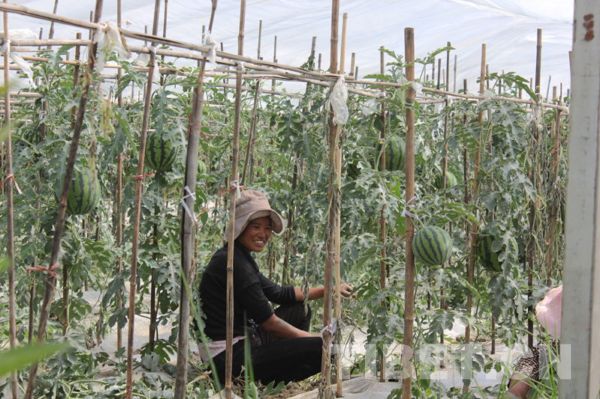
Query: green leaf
[19, 358]
[3, 264]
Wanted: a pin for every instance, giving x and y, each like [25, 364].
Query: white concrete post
[581, 291]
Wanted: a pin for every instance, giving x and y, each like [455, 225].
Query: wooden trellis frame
[263, 69]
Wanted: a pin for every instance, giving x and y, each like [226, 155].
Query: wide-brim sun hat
[252, 205]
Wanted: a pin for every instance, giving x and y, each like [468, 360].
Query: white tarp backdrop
[508, 27]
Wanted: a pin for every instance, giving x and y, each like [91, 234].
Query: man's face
[257, 234]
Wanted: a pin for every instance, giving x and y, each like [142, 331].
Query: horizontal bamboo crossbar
[285, 72]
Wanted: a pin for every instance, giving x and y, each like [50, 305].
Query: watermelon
[451, 180]
[394, 154]
[432, 245]
[160, 153]
[487, 256]
[84, 192]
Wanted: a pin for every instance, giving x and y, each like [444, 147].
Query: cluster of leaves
[287, 157]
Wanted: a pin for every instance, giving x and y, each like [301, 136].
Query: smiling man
[282, 349]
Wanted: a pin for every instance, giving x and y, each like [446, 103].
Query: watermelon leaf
[19, 358]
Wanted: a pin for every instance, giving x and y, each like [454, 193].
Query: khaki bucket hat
[252, 205]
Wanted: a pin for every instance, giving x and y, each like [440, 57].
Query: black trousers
[279, 360]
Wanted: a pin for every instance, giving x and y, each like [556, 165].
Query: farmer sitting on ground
[282, 348]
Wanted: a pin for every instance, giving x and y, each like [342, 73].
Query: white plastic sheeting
[508, 27]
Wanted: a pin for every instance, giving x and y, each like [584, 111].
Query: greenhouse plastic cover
[507, 27]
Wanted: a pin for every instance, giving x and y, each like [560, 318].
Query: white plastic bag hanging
[370, 107]
[21, 63]
[417, 87]
[212, 52]
[337, 100]
[109, 39]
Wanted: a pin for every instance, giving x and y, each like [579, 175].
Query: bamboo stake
[337, 310]
[51, 32]
[119, 198]
[60, 217]
[188, 225]
[274, 60]
[343, 45]
[152, 326]
[165, 19]
[554, 205]
[258, 57]
[382, 220]
[454, 74]
[333, 197]
[233, 199]
[10, 225]
[472, 233]
[534, 206]
[138, 212]
[445, 167]
[409, 294]
[251, 134]
[352, 64]
[65, 271]
[439, 71]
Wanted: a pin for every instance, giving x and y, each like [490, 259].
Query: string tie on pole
[189, 211]
[142, 176]
[406, 213]
[235, 186]
[50, 270]
[12, 177]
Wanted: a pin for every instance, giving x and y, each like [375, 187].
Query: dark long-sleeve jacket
[252, 293]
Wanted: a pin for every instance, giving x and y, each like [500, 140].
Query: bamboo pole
[409, 293]
[549, 239]
[445, 167]
[534, 206]
[352, 65]
[274, 60]
[333, 197]
[54, 9]
[139, 187]
[473, 229]
[251, 134]
[343, 46]
[258, 57]
[188, 225]
[65, 271]
[382, 220]
[233, 199]
[153, 325]
[119, 198]
[337, 310]
[10, 225]
[60, 217]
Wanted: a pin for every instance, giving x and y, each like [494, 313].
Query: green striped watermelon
[432, 245]
[451, 180]
[394, 154]
[487, 256]
[160, 153]
[84, 192]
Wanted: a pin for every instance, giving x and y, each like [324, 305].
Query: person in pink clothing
[530, 366]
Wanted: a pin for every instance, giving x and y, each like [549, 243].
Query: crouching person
[282, 348]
